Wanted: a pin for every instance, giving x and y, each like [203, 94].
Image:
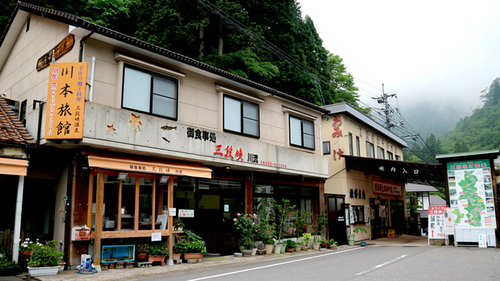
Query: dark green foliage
[240, 36]
[481, 130]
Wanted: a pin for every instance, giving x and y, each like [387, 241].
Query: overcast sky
[438, 51]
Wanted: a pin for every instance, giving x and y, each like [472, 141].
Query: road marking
[272, 265]
[381, 265]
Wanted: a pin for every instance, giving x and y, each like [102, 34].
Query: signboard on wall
[65, 101]
[471, 194]
[386, 188]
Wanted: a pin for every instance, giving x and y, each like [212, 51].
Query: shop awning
[15, 167]
[431, 174]
[152, 167]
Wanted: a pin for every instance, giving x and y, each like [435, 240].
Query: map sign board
[471, 194]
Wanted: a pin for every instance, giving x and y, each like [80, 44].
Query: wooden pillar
[248, 196]
[170, 220]
[98, 217]
[321, 195]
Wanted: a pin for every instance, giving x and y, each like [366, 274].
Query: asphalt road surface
[364, 263]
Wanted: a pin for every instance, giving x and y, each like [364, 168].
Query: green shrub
[45, 255]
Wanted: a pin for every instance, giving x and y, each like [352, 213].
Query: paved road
[368, 263]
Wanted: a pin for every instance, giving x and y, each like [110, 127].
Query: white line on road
[272, 265]
[381, 265]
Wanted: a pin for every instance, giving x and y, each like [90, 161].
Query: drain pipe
[80, 57]
[40, 112]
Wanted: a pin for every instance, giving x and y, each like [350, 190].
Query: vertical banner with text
[66, 101]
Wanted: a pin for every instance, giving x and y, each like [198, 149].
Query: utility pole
[387, 111]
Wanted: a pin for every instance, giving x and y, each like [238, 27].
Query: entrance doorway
[337, 228]
[379, 219]
[398, 216]
[215, 204]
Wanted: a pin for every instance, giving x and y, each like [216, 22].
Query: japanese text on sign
[66, 101]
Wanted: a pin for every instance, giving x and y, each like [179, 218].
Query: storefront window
[128, 204]
[145, 203]
[110, 206]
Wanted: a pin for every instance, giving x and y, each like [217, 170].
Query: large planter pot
[176, 257]
[304, 248]
[277, 249]
[142, 256]
[10, 270]
[283, 249]
[290, 250]
[316, 246]
[269, 249]
[161, 259]
[42, 271]
[351, 240]
[246, 252]
[323, 245]
[193, 256]
[298, 248]
[333, 247]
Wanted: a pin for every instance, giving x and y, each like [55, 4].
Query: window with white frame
[357, 147]
[241, 116]
[351, 147]
[380, 152]
[390, 156]
[150, 92]
[370, 150]
[326, 148]
[301, 132]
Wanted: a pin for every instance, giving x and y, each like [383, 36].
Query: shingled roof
[11, 129]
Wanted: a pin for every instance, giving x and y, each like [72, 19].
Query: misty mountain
[428, 117]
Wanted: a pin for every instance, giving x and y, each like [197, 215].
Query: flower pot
[43, 271]
[193, 256]
[362, 243]
[161, 259]
[142, 256]
[316, 246]
[290, 250]
[304, 248]
[333, 247]
[180, 228]
[254, 251]
[283, 249]
[351, 240]
[323, 245]
[246, 252]
[277, 249]
[10, 270]
[269, 249]
[298, 248]
[176, 257]
[61, 266]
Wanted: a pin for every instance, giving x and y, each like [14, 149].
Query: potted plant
[300, 222]
[7, 266]
[316, 244]
[290, 245]
[247, 230]
[281, 211]
[306, 237]
[142, 251]
[321, 222]
[299, 246]
[178, 224]
[323, 242]
[157, 253]
[356, 230]
[26, 248]
[269, 244]
[44, 259]
[332, 244]
[192, 246]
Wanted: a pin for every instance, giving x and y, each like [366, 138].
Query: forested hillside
[480, 131]
[267, 41]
